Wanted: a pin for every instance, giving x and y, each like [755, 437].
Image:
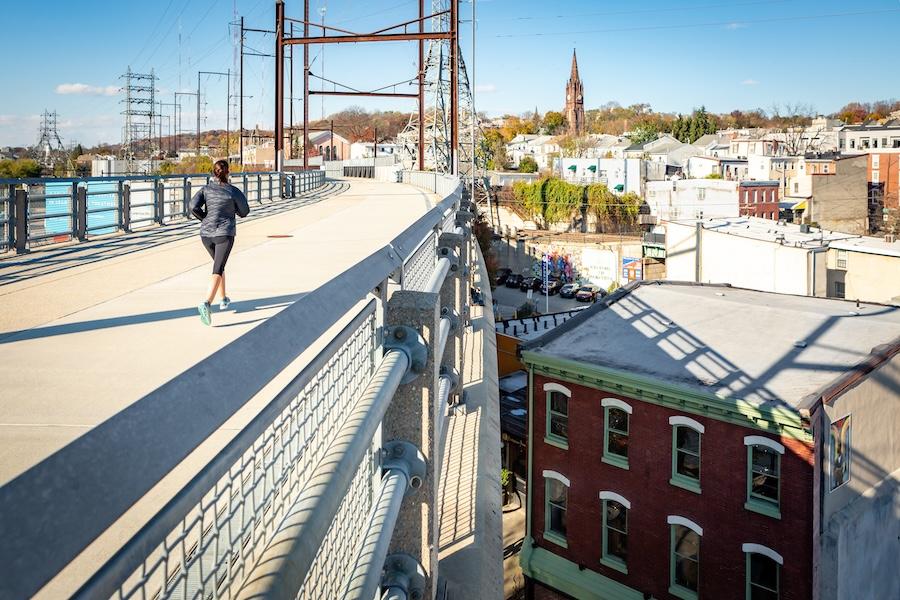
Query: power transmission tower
[140, 117]
[439, 152]
[49, 148]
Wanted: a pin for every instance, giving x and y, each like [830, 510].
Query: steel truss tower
[49, 148]
[436, 116]
[138, 139]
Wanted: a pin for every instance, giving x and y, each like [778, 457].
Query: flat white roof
[869, 245]
[772, 350]
[766, 230]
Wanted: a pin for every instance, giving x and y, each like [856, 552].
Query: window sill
[682, 592]
[691, 485]
[613, 563]
[555, 538]
[616, 461]
[558, 442]
[763, 508]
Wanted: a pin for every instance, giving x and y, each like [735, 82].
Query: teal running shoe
[224, 303]
[203, 309]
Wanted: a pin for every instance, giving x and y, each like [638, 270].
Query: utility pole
[279, 84]
[291, 102]
[227, 75]
[244, 53]
[474, 115]
[306, 85]
[178, 123]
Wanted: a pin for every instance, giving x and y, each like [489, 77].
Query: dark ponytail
[220, 170]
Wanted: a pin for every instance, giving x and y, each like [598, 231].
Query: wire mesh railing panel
[335, 560]
[417, 270]
[211, 551]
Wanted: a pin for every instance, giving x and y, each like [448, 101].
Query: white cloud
[749, 82]
[735, 25]
[486, 88]
[83, 89]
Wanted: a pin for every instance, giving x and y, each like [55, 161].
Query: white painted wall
[692, 199]
[742, 262]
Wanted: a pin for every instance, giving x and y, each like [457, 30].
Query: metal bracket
[453, 375]
[450, 314]
[399, 454]
[463, 217]
[404, 572]
[451, 255]
[407, 340]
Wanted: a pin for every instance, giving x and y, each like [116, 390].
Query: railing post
[73, 208]
[259, 197]
[120, 220]
[244, 177]
[126, 208]
[81, 212]
[186, 199]
[159, 194]
[20, 221]
[412, 418]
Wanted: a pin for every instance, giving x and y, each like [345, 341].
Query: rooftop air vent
[800, 344]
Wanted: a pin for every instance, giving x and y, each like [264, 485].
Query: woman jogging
[215, 205]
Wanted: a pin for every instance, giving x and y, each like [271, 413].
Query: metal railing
[37, 211]
[304, 501]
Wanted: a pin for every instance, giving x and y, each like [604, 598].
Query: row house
[673, 458]
[759, 199]
[872, 136]
[541, 148]
[830, 191]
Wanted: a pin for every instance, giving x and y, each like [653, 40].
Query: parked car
[587, 293]
[502, 275]
[513, 280]
[530, 283]
[568, 290]
[553, 287]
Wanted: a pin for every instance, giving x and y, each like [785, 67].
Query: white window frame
[764, 550]
[549, 437]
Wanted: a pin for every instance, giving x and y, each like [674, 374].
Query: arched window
[763, 475]
[556, 498]
[686, 434]
[615, 531]
[557, 432]
[684, 580]
[616, 417]
[763, 572]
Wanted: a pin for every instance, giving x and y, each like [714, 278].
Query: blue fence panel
[61, 225]
[108, 200]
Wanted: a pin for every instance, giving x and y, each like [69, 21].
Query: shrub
[528, 165]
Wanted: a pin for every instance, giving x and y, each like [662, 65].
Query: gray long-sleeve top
[216, 204]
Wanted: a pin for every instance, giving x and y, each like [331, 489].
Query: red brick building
[673, 446]
[759, 199]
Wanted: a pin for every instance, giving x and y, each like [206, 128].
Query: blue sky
[673, 54]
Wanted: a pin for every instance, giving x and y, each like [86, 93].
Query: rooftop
[767, 230]
[689, 335]
[869, 245]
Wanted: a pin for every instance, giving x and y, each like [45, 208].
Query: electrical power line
[701, 25]
[679, 8]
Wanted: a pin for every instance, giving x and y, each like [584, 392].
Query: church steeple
[575, 100]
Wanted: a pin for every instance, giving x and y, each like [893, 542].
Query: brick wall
[719, 510]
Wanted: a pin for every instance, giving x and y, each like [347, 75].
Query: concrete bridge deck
[88, 331]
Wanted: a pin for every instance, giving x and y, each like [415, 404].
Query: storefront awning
[592, 168]
[573, 168]
[799, 206]
[619, 187]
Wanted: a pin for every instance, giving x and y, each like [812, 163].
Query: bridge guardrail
[306, 499]
[39, 211]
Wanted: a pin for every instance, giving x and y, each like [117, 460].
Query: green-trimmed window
[685, 562]
[615, 531]
[617, 415]
[557, 414]
[556, 495]
[763, 572]
[686, 433]
[763, 475]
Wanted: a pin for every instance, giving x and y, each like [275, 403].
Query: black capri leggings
[219, 248]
